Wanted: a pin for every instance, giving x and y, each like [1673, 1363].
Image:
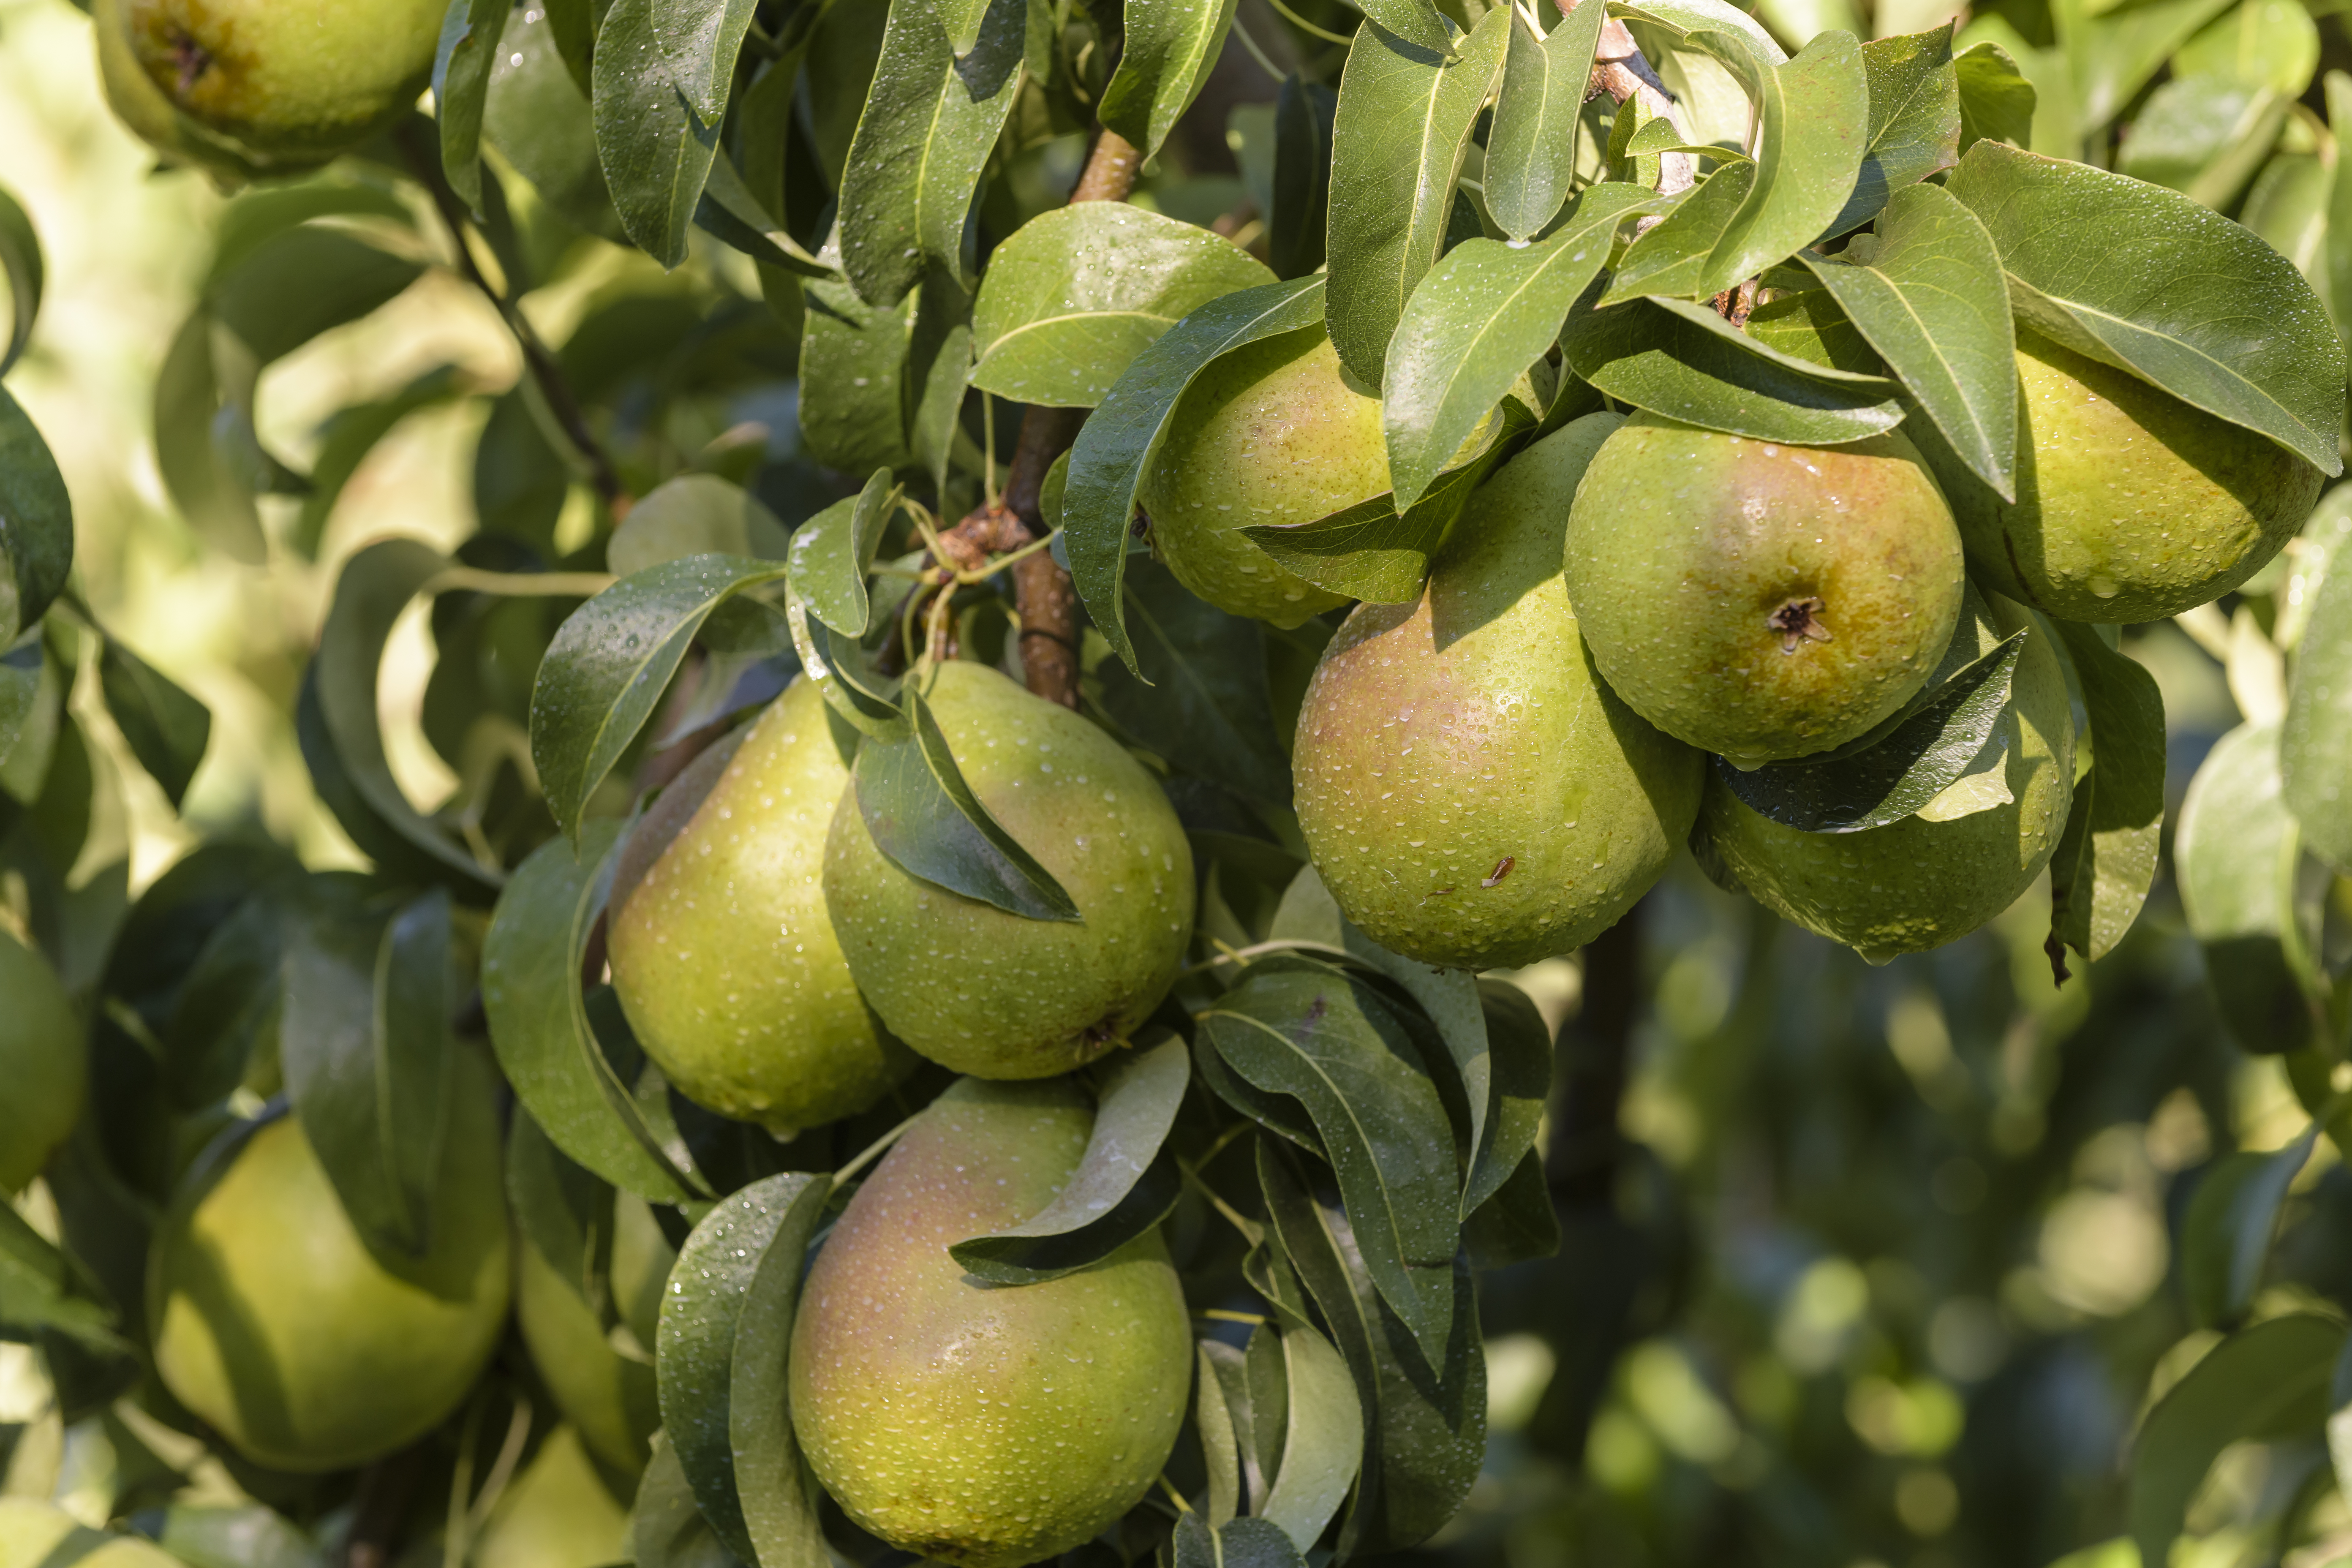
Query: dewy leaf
[1304, 112]
[2171, 291]
[1323, 1444]
[1077, 291]
[1171, 46]
[2264, 1384]
[1201, 701]
[1123, 1184]
[2107, 857]
[1915, 119]
[166, 729]
[729, 211]
[929, 122]
[461, 89]
[852, 372]
[1244, 1543]
[2234, 856]
[2315, 740]
[1933, 301]
[853, 689]
[609, 664]
[2232, 1216]
[830, 553]
[662, 70]
[1117, 441]
[37, 537]
[20, 265]
[1480, 317]
[1405, 121]
[1531, 148]
[1996, 100]
[538, 115]
[928, 822]
[726, 1322]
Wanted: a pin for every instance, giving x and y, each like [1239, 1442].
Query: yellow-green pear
[984, 1425]
[36, 1534]
[44, 1064]
[275, 1322]
[1271, 433]
[602, 1380]
[1473, 793]
[139, 104]
[723, 957]
[1757, 599]
[2131, 505]
[1959, 861]
[997, 994]
[558, 1513]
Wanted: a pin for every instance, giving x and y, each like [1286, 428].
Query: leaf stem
[521, 584]
[1242, 955]
[1257, 53]
[1173, 1495]
[1304, 26]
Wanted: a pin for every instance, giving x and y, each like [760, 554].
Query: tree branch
[1618, 70]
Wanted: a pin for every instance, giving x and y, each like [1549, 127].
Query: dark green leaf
[1996, 100]
[854, 400]
[853, 689]
[1532, 149]
[2315, 739]
[1304, 112]
[351, 434]
[1915, 119]
[561, 1211]
[693, 514]
[2226, 1238]
[1201, 701]
[667, 1526]
[2234, 856]
[166, 729]
[40, 1289]
[22, 671]
[461, 87]
[306, 281]
[729, 211]
[37, 537]
[830, 553]
[537, 114]
[2107, 857]
[1171, 46]
[1518, 1224]
[1238, 1543]
[663, 71]
[20, 265]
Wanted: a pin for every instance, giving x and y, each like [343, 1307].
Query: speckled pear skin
[2131, 505]
[1269, 434]
[723, 956]
[1760, 600]
[305, 78]
[984, 1425]
[43, 1063]
[1468, 733]
[995, 994]
[1916, 884]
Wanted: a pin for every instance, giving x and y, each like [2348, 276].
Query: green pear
[43, 1062]
[2131, 505]
[139, 104]
[722, 954]
[1473, 793]
[274, 1321]
[996, 994]
[36, 1534]
[1760, 600]
[605, 1389]
[1271, 433]
[984, 1425]
[1959, 861]
[558, 1513]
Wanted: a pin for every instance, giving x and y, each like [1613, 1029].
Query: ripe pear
[275, 1322]
[1474, 795]
[608, 1396]
[723, 956]
[43, 1062]
[1271, 433]
[1935, 875]
[558, 1513]
[139, 104]
[997, 994]
[984, 1425]
[1761, 600]
[2131, 505]
[38, 1535]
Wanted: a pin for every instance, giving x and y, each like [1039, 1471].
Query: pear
[997, 994]
[984, 1425]
[274, 1322]
[139, 104]
[607, 1396]
[722, 954]
[36, 1534]
[1760, 600]
[1939, 875]
[2131, 505]
[42, 1062]
[1271, 433]
[558, 1513]
[1474, 795]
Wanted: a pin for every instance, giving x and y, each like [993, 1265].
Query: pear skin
[1920, 882]
[274, 1322]
[723, 956]
[983, 1426]
[1474, 795]
[558, 1513]
[608, 1398]
[43, 1061]
[2131, 505]
[996, 994]
[1760, 600]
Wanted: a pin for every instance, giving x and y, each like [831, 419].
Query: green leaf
[188, 402]
[2234, 856]
[830, 553]
[726, 1325]
[1404, 125]
[1122, 1187]
[461, 89]
[20, 265]
[537, 114]
[2204, 136]
[1212, 1419]
[1303, 113]
[2111, 57]
[165, 728]
[24, 673]
[1915, 119]
[611, 661]
[2315, 738]
[352, 433]
[2232, 1218]
[2262, 1384]
[729, 211]
[2271, 44]
[693, 514]
[854, 400]
[37, 537]
[1517, 1225]
[929, 123]
[2107, 857]
[1417, 22]
[928, 822]
[1531, 148]
[2173, 293]
[1117, 441]
[1931, 299]
[252, 1536]
[1323, 1443]
[1201, 698]
[1996, 100]
[41, 1288]
[663, 71]
[1077, 292]
[853, 689]
[1688, 17]
[1171, 46]
[538, 1020]
[1238, 1543]
[2288, 207]
[667, 1526]
[296, 284]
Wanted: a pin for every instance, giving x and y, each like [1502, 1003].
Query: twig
[1618, 70]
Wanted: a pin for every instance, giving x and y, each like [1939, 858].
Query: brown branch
[1619, 71]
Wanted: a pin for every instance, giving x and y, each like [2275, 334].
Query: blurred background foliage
[1869, 1267]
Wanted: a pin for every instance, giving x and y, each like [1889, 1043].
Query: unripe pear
[609, 1398]
[978, 1425]
[2131, 505]
[558, 1513]
[43, 1064]
[1473, 793]
[723, 956]
[1761, 600]
[1271, 433]
[36, 1534]
[996, 994]
[274, 1321]
[1932, 877]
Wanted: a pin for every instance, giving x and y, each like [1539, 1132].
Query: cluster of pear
[1495, 772]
